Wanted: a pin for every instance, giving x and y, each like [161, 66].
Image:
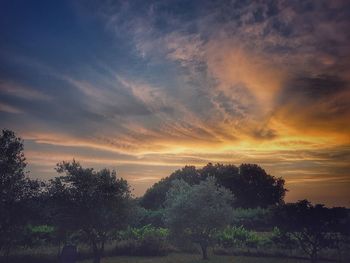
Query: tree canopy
[250, 184]
[17, 191]
[155, 196]
[314, 227]
[92, 202]
[198, 211]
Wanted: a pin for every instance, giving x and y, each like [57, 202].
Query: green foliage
[233, 237]
[142, 217]
[17, 192]
[42, 229]
[144, 232]
[249, 183]
[37, 235]
[198, 211]
[143, 241]
[239, 237]
[92, 203]
[155, 196]
[283, 239]
[252, 218]
[314, 227]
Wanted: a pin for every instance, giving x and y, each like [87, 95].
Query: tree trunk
[97, 253]
[204, 247]
[102, 250]
[7, 253]
[313, 257]
[59, 250]
[97, 258]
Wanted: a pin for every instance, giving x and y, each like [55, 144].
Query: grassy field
[48, 254]
[192, 258]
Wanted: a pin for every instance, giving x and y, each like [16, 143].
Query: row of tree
[196, 204]
[89, 203]
[200, 211]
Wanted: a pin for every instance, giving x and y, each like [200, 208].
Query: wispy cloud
[24, 92]
[9, 109]
[149, 86]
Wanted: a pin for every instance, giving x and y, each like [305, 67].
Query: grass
[196, 258]
[48, 254]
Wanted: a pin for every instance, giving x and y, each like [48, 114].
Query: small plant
[36, 235]
[235, 237]
[144, 241]
[282, 239]
[240, 237]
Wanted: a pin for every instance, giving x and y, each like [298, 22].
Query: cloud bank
[146, 87]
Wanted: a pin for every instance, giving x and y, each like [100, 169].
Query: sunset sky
[146, 87]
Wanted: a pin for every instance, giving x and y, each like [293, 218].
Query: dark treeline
[249, 183]
[228, 208]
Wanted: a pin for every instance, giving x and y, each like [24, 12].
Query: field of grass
[48, 254]
[196, 258]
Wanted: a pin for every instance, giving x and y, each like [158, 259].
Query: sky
[146, 87]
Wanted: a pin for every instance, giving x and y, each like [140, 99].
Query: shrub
[233, 237]
[35, 235]
[257, 218]
[144, 241]
[144, 217]
[239, 237]
[282, 239]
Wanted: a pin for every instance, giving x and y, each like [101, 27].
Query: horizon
[147, 87]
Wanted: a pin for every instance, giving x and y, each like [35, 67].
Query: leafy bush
[282, 239]
[144, 241]
[239, 237]
[36, 235]
[252, 218]
[144, 217]
[233, 237]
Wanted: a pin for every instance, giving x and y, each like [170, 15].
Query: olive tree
[94, 203]
[198, 212]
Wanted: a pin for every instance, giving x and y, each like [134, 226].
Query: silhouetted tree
[198, 211]
[313, 227]
[155, 196]
[92, 202]
[253, 187]
[250, 184]
[224, 174]
[17, 191]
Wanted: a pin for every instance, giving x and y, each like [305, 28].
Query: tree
[155, 196]
[198, 211]
[226, 175]
[314, 227]
[249, 183]
[253, 187]
[94, 203]
[16, 191]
